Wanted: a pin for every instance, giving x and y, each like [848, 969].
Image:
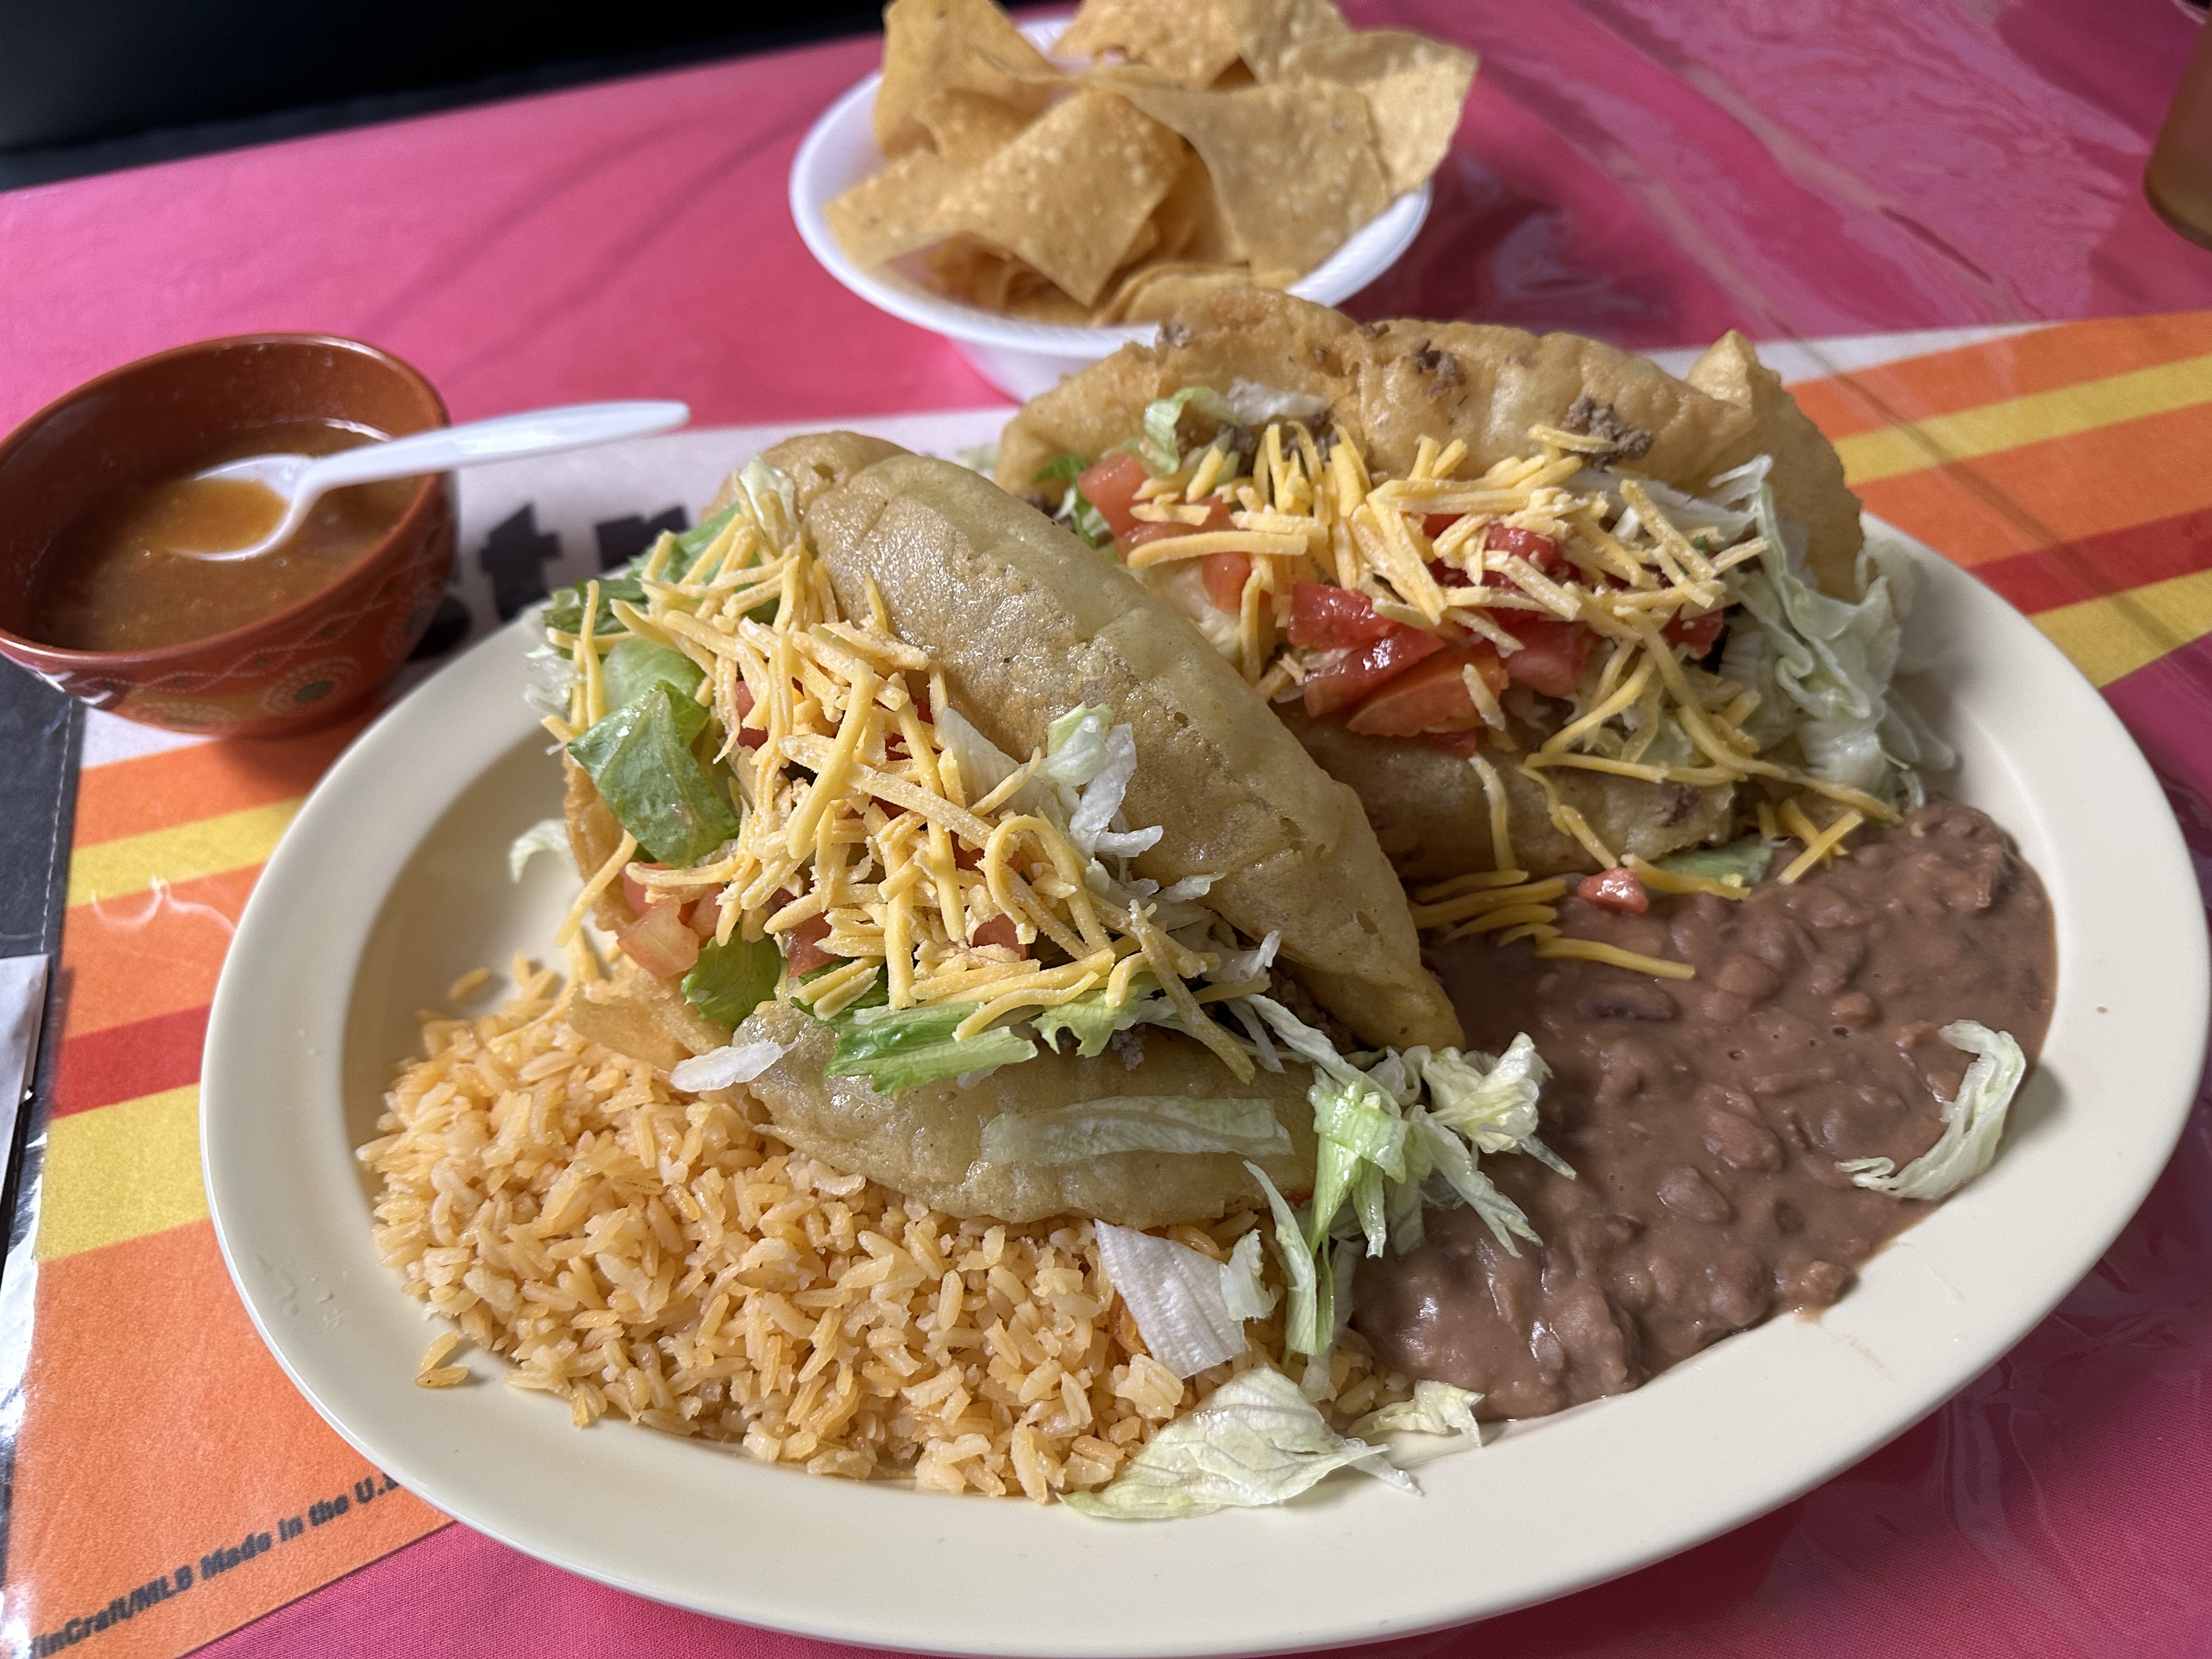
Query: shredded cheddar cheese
[859, 833]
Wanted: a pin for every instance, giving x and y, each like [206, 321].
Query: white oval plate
[392, 883]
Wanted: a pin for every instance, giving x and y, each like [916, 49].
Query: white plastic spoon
[302, 480]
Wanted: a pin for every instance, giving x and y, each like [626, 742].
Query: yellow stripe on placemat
[2119, 633]
[131, 864]
[2018, 421]
[121, 1171]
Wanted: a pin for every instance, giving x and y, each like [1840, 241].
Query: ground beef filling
[1704, 1118]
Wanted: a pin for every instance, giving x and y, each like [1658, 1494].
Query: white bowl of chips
[1025, 355]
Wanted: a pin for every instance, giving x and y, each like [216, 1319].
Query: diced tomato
[1430, 695]
[1539, 550]
[1616, 889]
[1462, 743]
[1552, 653]
[802, 945]
[1450, 575]
[1335, 681]
[1697, 634]
[659, 943]
[636, 893]
[741, 699]
[1434, 525]
[1326, 617]
[1111, 487]
[1000, 930]
[1226, 575]
[703, 917]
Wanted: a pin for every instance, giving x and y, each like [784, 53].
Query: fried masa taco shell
[1026, 621]
[1388, 385]
[925, 1142]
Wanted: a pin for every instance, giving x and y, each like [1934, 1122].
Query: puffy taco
[1069, 983]
[1542, 604]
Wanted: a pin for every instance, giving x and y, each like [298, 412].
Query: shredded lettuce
[978, 458]
[1076, 511]
[1135, 1123]
[1308, 1323]
[1455, 1167]
[546, 835]
[1436, 1408]
[1973, 1124]
[983, 765]
[636, 664]
[1747, 858]
[726, 1066]
[730, 980]
[1363, 1142]
[552, 676]
[564, 611]
[1255, 1441]
[1490, 1101]
[1189, 1309]
[774, 498]
[1821, 665]
[1092, 1020]
[1159, 449]
[898, 1049]
[639, 758]
[1253, 403]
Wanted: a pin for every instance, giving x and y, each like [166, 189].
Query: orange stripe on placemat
[2017, 422]
[155, 953]
[124, 1061]
[205, 781]
[2090, 484]
[2018, 365]
[160, 1436]
[2095, 567]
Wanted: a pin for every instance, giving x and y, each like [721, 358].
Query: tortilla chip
[1295, 164]
[969, 127]
[1069, 195]
[1189, 41]
[930, 46]
[1152, 293]
[1267, 31]
[1807, 476]
[1415, 88]
[894, 212]
[1189, 221]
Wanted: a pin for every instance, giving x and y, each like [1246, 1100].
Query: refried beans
[1704, 1118]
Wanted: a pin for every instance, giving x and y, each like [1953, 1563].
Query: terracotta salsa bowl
[297, 666]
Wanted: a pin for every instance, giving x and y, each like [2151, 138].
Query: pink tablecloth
[1648, 173]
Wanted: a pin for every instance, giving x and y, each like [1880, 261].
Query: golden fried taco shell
[1026, 621]
[1389, 384]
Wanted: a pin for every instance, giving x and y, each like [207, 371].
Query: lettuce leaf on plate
[896, 1048]
[1255, 1441]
